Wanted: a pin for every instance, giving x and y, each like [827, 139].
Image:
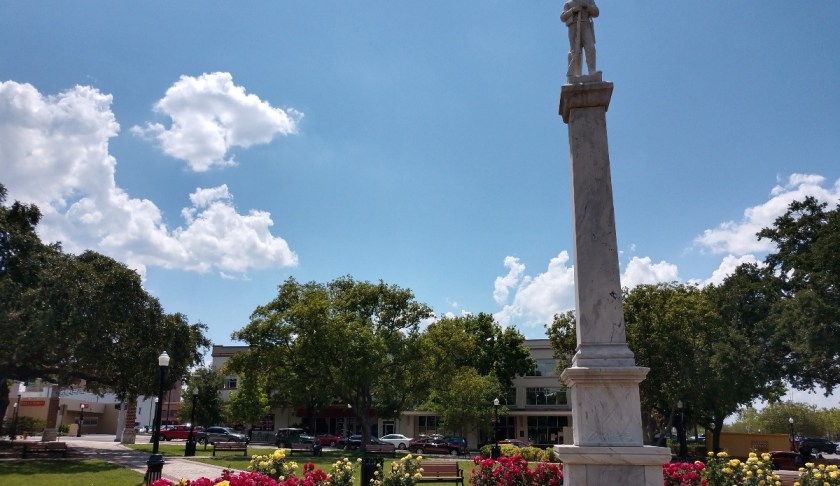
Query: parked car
[331, 440]
[211, 435]
[432, 445]
[288, 435]
[355, 441]
[820, 445]
[178, 432]
[144, 429]
[516, 442]
[459, 442]
[400, 441]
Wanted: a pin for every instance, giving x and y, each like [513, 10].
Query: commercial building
[537, 408]
[99, 413]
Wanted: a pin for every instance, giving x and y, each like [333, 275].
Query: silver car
[212, 435]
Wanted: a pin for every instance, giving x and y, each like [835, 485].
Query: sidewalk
[176, 468]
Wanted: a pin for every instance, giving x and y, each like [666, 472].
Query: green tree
[464, 402]
[68, 318]
[471, 351]
[209, 407]
[808, 421]
[249, 403]
[691, 339]
[807, 317]
[369, 331]
[478, 342]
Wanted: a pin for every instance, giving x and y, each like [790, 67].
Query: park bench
[304, 447]
[231, 447]
[45, 448]
[382, 449]
[441, 472]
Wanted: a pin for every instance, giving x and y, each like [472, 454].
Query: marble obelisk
[603, 381]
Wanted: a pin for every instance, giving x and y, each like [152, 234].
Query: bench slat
[230, 446]
[45, 448]
[440, 472]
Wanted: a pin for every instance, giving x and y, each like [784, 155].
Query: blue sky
[221, 147]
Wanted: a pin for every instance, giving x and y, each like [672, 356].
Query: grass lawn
[237, 461]
[66, 473]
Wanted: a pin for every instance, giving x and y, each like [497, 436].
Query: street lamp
[155, 463]
[13, 434]
[792, 435]
[81, 420]
[189, 450]
[681, 431]
[496, 452]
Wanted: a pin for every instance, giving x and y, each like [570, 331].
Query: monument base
[597, 466]
[129, 436]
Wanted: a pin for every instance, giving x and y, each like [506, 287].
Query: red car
[178, 432]
[430, 445]
[330, 440]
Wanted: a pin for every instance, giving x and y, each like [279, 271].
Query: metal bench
[231, 447]
[382, 449]
[441, 472]
[45, 448]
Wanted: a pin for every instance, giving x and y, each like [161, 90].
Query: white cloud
[54, 152]
[739, 238]
[537, 299]
[502, 285]
[210, 115]
[640, 271]
[727, 267]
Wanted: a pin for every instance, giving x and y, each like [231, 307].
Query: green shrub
[31, 425]
[531, 454]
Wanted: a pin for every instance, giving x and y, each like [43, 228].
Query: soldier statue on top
[578, 15]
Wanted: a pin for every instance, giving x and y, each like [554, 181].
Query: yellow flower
[223, 483]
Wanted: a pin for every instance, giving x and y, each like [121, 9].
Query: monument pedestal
[597, 466]
[607, 430]
[603, 381]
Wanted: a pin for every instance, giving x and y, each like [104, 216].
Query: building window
[230, 383]
[427, 424]
[546, 430]
[544, 367]
[266, 423]
[545, 396]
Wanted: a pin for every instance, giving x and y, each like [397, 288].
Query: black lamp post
[792, 435]
[13, 433]
[496, 451]
[189, 450]
[154, 466]
[81, 420]
[681, 431]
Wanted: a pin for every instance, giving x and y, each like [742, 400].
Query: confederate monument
[603, 380]
[578, 15]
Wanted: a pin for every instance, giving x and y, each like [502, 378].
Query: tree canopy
[357, 342]
[766, 327]
[474, 358]
[806, 266]
[86, 317]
